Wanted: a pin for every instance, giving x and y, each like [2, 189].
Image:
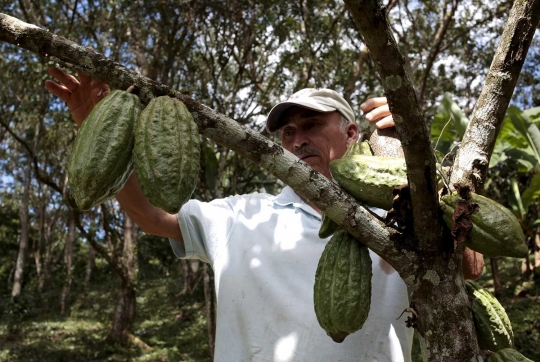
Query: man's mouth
[303, 158]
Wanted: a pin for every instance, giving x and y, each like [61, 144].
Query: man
[264, 249]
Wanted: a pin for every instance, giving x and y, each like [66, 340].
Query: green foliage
[448, 125]
[175, 327]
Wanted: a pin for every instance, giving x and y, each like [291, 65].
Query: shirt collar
[289, 197]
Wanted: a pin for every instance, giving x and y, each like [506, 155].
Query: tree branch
[323, 193]
[435, 47]
[472, 161]
[410, 125]
[40, 176]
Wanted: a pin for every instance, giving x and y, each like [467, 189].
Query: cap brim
[273, 121]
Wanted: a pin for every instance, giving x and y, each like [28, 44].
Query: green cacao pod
[166, 154]
[493, 327]
[360, 148]
[508, 355]
[342, 292]
[101, 160]
[370, 179]
[328, 226]
[495, 232]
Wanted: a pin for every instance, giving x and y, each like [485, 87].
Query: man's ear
[352, 133]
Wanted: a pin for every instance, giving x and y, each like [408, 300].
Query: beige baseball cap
[322, 100]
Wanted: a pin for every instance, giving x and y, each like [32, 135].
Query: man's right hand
[80, 95]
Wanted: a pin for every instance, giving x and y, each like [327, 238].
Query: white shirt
[264, 250]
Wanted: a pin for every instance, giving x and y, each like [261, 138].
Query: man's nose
[300, 139]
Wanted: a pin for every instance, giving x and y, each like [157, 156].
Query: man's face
[316, 137]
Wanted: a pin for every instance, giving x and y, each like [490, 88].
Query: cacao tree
[438, 303]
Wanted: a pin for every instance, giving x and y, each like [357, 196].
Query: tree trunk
[68, 257]
[497, 286]
[25, 228]
[39, 242]
[125, 306]
[209, 299]
[186, 275]
[47, 264]
[440, 307]
[90, 264]
[123, 316]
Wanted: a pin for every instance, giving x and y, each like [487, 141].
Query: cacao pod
[495, 232]
[166, 154]
[328, 226]
[360, 148]
[493, 327]
[370, 179]
[101, 161]
[508, 355]
[342, 292]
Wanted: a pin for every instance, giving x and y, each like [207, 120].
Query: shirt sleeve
[206, 228]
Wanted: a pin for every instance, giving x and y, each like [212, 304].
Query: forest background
[91, 286]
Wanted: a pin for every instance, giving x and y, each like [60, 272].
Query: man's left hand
[376, 110]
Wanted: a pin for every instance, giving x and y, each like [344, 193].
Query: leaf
[508, 133]
[527, 128]
[517, 198]
[449, 124]
[532, 192]
[536, 222]
[522, 160]
[533, 114]
[459, 121]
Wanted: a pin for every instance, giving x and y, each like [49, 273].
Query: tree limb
[323, 193]
[410, 125]
[41, 176]
[436, 47]
[472, 161]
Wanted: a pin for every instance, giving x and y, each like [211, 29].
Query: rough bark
[25, 228]
[126, 303]
[472, 160]
[68, 257]
[376, 33]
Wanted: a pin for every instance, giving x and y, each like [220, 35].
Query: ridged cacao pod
[342, 292]
[370, 179]
[508, 355]
[166, 154]
[493, 327]
[328, 226]
[495, 232]
[101, 160]
[360, 148]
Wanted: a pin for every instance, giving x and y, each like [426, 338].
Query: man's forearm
[150, 219]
